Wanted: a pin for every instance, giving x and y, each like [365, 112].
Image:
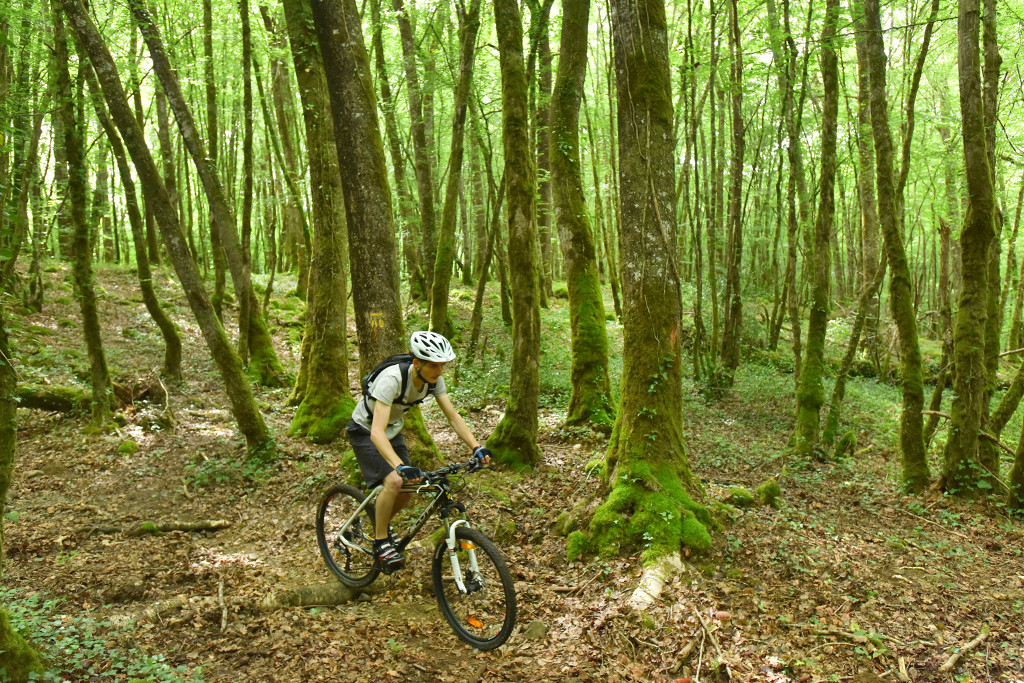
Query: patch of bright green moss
[740, 497]
[128, 447]
[768, 493]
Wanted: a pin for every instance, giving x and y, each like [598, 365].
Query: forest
[734, 291]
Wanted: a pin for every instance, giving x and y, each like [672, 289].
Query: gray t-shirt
[386, 388]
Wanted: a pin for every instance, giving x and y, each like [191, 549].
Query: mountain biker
[375, 432]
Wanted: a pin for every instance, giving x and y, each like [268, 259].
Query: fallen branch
[902, 673]
[955, 657]
[143, 528]
[714, 643]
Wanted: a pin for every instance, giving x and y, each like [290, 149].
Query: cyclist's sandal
[387, 554]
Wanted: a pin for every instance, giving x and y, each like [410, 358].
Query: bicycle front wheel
[482, 611]
[347, 548]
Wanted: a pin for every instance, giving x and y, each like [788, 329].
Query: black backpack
[404, 362]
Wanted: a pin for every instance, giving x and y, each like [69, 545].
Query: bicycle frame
[441, 500]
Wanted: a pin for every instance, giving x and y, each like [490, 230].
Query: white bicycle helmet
[431, 346]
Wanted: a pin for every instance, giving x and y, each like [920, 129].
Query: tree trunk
[810, 390]
[421, 151]
[515, 437]
[469, 25]
[374, 255]
[82, 248]
[294, 223]
[246, 303]
[409, 222]
[590, 400]
[250, 422]
[915, 464]
[263, 364]
[733, 301]
[212, 147]
[652, 497]
[325, 397]
[961, 469]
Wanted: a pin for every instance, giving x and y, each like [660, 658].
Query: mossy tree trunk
[810, 393]
[590, 401]
[652, 498]
[16, 656]
[515, 438]
[915, 464]
[264, 365]
[85, 290]
[323, 389]
[250, 422]
[469, 26]
[172, 339]
[961, 470]
[988, 453]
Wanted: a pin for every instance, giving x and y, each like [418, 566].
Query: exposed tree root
[216, 608]
[308, 596]
[653, 580]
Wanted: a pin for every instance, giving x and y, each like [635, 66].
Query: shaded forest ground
[847, 580]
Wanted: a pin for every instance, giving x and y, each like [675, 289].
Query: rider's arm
[456, 421]
[381, 415]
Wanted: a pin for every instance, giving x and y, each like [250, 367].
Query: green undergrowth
[77, 648]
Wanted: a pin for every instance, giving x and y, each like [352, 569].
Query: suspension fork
[452, 548]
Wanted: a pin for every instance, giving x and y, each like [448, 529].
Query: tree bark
[515, 437]
[250, 422]
[469, 25]
[915, 464]
[590, 400]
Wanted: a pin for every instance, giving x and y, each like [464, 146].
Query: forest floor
[846, 580]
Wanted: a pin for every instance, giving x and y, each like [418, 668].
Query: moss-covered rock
[128, 447]
[740, 497]
[768, 493]
[18, 659]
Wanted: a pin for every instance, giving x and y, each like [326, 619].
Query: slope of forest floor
[846, 580]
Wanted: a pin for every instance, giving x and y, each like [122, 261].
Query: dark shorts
[372, 464]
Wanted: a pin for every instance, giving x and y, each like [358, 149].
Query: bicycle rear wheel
[484, 613]
[347, 550]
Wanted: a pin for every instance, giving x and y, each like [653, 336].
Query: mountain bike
[471, 581]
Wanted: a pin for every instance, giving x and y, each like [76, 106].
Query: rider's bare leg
[389, 503]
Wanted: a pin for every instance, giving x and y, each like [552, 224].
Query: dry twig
[955, 657]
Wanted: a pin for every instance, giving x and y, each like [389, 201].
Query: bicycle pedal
[391, 568]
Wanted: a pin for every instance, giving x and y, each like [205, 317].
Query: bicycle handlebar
[471, 465]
